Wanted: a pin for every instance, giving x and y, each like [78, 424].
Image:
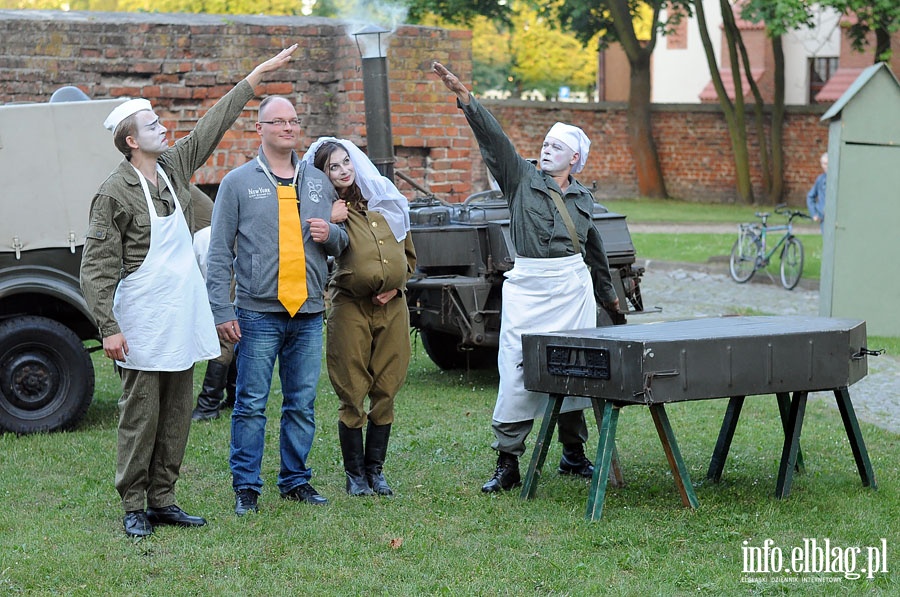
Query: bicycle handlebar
[782, 210]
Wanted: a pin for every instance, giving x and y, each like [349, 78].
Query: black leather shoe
[136, 524]
[305, 493]
[245, 501]
[175, 516]
[506, 476]
[574, 462]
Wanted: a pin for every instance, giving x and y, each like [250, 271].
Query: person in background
[550, 286]
[217, 390]
[278, 259]
[143, 287]
[368, 348]
[815, 198]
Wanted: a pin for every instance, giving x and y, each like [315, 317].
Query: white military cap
[123, 111]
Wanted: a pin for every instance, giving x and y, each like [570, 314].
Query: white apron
[539, 295]
[162, 308]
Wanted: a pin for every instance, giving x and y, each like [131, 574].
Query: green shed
[861, 234]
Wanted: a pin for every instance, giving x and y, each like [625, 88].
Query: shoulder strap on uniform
[567, 218]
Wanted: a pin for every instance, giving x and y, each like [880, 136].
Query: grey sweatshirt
[244, 240]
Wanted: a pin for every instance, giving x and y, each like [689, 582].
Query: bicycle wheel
[791, 262]
[742, 264]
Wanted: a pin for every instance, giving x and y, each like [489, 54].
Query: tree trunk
[760, 118]
[739, 130]
[640, 131]
[777, 192]
[882, 44]
[648, 171]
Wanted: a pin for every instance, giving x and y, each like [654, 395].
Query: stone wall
[183, 63]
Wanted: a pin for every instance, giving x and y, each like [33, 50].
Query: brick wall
[184, 63]
[692, 140]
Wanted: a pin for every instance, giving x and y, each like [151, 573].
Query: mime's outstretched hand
[451, 81]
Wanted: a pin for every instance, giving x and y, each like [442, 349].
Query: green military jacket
[118, 236]
[536, 226]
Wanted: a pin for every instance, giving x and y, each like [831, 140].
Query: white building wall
[680, 75]
[823, 40]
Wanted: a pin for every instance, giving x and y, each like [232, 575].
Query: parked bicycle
[750, 252]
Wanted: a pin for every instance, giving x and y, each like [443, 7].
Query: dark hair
[352, 195]
[126, 128]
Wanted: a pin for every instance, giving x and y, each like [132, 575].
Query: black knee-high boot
[352, 450]
[376, 450]
[212, 392]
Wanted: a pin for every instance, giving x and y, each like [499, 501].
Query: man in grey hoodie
[245, 241]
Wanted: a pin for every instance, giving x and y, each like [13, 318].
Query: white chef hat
[123, 111]
[575, 139]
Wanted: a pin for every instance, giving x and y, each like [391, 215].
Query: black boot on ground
[210, 397]
[506, 476]
[354, 463]
[574, 462]
[376, 450]
[230, 390]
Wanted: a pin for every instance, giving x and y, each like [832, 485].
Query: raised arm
[452, 82]
[272, 64]
[498, 152]
[192, 151]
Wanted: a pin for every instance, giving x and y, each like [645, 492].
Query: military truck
[53, 156]
[463, 250]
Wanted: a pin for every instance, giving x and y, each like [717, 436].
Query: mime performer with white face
[556, 282]
[145, 291]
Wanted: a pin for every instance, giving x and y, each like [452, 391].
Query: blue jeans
[297, 342]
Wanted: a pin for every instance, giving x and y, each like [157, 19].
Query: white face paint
[340, 169]
[556, 157]
[150, 134]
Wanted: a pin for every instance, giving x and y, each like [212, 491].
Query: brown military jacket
[374, 262]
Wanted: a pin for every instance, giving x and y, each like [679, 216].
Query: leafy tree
[879, 16]
[274, 7]
[460, 12]
[545, 57]
[779, 17]
[621, 21]
[492, 58]
[527, 53]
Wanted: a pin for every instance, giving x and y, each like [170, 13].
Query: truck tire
[46, 376]
[442, 350]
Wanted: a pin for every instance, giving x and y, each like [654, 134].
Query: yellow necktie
[292, 291]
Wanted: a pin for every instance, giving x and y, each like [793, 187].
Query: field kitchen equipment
[726, 357]
[463, 250]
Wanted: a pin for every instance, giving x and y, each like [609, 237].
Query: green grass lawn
[666, 210]
[705, 247]
[61, 530]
